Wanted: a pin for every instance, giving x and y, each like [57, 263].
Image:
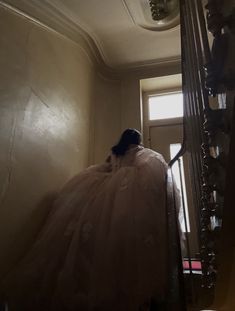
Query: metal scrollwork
[207, 77]
[213, 155]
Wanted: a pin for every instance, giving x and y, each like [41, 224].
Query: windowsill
[164, 122]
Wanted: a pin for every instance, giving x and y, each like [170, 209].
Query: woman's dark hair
[129, 137]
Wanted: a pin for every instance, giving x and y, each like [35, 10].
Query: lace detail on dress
[124, 184]
[70, 229]
[86, 231]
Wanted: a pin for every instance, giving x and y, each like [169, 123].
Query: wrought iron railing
[208, 130]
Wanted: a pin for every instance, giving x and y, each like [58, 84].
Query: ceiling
[120, 40]
[118, 33]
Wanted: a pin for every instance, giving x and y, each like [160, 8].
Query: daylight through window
[166, 106]
[177, 172]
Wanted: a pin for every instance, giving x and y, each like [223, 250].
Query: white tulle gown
[104, 245]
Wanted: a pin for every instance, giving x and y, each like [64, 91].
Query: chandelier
[159, 9]
[155, 15]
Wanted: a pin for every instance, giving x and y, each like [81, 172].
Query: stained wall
[58, 114]
[46, 93]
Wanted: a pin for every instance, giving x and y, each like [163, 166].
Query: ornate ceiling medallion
[155, 15]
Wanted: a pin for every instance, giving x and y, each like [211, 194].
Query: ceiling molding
[150, 63]
[47, 16]
[67, 14]
[152, 69]
[50, 17]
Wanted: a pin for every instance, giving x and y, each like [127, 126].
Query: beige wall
[57, 115]
[46, 86]
[131, 114]
[105, 117]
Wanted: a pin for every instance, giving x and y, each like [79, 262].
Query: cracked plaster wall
[46, 89]
[57, 115]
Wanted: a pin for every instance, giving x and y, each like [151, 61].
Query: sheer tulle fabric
[104, 245]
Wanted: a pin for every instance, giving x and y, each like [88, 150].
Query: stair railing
[208, 126]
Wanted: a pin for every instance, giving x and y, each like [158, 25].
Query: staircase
[209, 136]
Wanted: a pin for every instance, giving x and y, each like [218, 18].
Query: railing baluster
[203, 76]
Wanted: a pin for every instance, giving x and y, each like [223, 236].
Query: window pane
[166, 106]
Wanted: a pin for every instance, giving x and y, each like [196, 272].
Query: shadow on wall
[44, 118]
[27, 234]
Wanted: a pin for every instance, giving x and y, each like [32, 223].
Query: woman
[104, 246]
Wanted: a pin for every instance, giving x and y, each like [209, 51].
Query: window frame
[156, 122]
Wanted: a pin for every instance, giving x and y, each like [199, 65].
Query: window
[178, 172]
[166, 106]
